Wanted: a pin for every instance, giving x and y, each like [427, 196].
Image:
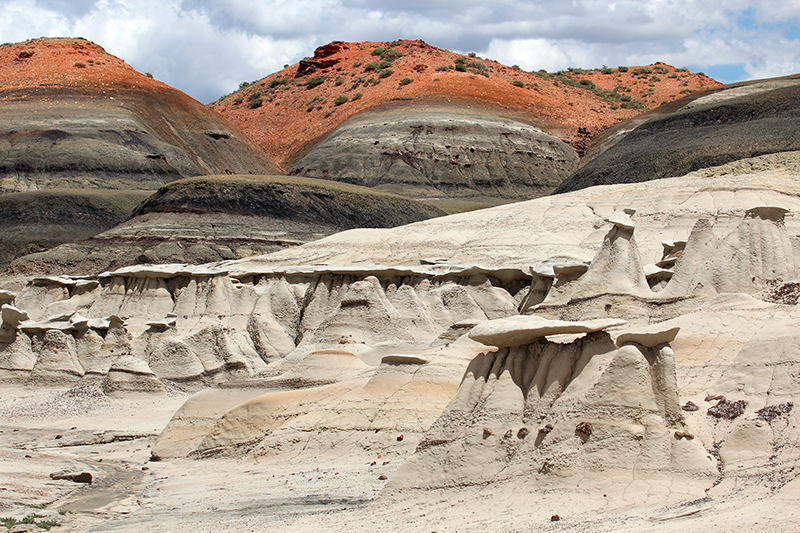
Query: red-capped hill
[104, 124]
[286, 112]
[84, 137]
[67, 62]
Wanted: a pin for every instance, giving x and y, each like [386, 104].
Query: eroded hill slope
[301, 113]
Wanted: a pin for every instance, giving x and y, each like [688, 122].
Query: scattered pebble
[690, 406]
[546, 429]
[399, 438]
[523, 432]
[555, 518]
[584, 428]
[383, 477]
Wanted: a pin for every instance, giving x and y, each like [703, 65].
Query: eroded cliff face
[209, 326]
[442, 151]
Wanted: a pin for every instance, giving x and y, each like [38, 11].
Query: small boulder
[690, 406]
[77, 477]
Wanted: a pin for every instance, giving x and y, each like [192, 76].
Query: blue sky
[207, 47]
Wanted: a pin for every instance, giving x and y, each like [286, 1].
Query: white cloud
[24, 19]
[206, 47]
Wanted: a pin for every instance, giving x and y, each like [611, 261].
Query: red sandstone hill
[101, 120]
[286, 112]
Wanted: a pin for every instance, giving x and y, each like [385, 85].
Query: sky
[207, 47]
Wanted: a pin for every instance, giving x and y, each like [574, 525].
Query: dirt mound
[213, 218]
[287, 112]
[727, 124]
[299, 199]
[442, 152]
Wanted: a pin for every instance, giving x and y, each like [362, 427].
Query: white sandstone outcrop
[757, 253]
[540, 409]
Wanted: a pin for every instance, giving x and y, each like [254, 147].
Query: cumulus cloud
[206, 47]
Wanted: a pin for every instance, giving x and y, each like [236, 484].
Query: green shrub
[315, 81]
[338, 81]
[278, 81]
[148, 74]
[515, 67]
[460, 60]
[587, 83]
[606, 70]
[390, 54]
[385, 73]
[376, 51]
[237, 101]
[461, 67]
[625, 98]
[356, 97]
[472, 54]
[340, 100]
[243, 85]
[254, 103]
[517, 83]
[79, 65]
[384, 64]
[642, 71]
[655, 78]
[622, 69]
[371, 66]
[405, 81]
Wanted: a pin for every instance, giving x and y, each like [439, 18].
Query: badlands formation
[620, 357]
[614, 358]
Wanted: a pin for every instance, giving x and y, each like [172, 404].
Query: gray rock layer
[124, 139]
[442, 151]
[732, 123]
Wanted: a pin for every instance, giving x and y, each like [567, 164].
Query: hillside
[73, 115]
[287, 112]
[726, 124]
[213, 218]
[75, 118]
